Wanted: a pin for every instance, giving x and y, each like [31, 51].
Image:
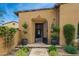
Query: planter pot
[24, 42]
[54, 41]
[45, 40]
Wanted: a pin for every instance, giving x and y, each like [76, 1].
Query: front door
[38, 32]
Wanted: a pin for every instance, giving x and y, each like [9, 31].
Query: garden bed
[62, 52]
[18, 52]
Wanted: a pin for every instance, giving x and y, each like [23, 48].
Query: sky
[9, 9]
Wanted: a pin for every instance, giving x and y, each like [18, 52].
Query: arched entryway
[40, 29]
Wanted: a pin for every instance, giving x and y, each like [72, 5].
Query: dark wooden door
[38, 30]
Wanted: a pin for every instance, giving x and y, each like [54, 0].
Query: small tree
[55, 27]
[24, 39]
[55, 34]
[69, 33]
[24, 25]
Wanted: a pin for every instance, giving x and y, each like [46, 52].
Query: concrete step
[38, 46]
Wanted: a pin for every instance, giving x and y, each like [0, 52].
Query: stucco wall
[49, 15]
[69, 14]
[4, 50]
[66, 14]
[16, 39]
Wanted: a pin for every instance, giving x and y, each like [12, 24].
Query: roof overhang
[56, 6]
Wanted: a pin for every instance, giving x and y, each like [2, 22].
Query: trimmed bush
[53, 53]
[69, 33]
[55, 27]
[24, 25]
[52, 50]
[22, 52]
[70, 49]
[55, 38]
[25, 49]
[54, 35]
[24, 40]
[52, 47]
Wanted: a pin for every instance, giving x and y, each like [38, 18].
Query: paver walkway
[38, 52]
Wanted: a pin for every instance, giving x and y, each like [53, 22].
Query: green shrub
[54, 35]
[69, 33]
[3, 30]
[52, 47]
[53, 53]
[10, 34]
[24, 25]
[70, 49]
[7, 34]
[25, 49]
[52, 50]
[22, 51]
[55, 27]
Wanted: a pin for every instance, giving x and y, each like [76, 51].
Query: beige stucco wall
[65, 14]
[48, 15]
[16, 39]
[69, 14]
[5, 50]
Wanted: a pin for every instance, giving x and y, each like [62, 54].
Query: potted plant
[45, 40]
[55, 34]
[54, 37]
[24, 39]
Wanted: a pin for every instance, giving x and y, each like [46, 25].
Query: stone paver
[38, 52]
[38, 45]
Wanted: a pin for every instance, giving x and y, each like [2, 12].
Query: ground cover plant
[52, 50]
[22, 51]
[70, 49]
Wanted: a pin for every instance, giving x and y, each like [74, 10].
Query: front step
[38, 45]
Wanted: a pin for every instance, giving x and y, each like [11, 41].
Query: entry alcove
[40, 29]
